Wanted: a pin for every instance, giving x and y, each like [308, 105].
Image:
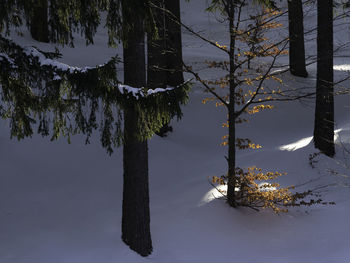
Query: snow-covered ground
[61, 203]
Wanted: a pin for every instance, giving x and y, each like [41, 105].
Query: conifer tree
[63, 17]
[30, 87]
[136, 216]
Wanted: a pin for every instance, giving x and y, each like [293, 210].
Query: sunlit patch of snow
[213, 194]
[343, 137]
[221, 190]
[343, 67]
[304, 142]
[296, 145]
[280, 70]
[337, 136]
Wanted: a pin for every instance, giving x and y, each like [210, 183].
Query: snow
[139, 92]
[343, 67]
[306, 141]
[50, 62]
[158, 90]
[297, 145]
[61, 203]
[43, 61]
[128, 89]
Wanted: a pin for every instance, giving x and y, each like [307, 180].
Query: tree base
[301, 73]
[143, 251]
[326, 148]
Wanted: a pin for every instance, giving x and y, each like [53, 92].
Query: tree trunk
[136, 214]
[324, 110]
[296, 38]
[157, 58]
[39, 29]
[231, 184]
[173, 44]
[156, 51]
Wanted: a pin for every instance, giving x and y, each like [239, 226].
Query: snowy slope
[61, 203]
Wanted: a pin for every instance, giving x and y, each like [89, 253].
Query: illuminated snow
[304, 142]
[213, 194]
[343, 67]
[296, 145]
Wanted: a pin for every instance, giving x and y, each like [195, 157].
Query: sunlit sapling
[254, 34]
[248, 93]
[259, 195]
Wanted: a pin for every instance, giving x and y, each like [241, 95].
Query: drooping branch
[36, 87]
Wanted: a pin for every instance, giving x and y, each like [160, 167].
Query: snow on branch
[11, 53]
[144, 92]
[44, 61]
[63, 100]
[16, 56]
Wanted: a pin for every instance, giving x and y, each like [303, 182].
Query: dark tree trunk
[157, 58]
[173, 44]
[39, 29]
[136, 215]
[156, 51]
[232, 181]
[324, 110]
[296, 38]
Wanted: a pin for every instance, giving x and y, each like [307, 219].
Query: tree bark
[324, 110]
[159, 57]
[136, 214]
[173, 44]
[232, 181]
[39, 29]
[296, 38]
[156, 51]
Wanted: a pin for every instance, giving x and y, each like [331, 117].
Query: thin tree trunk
[324, 110]
[296, 38]
[39, 29]
[231, 184]
[173, 44]
[136, 214]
